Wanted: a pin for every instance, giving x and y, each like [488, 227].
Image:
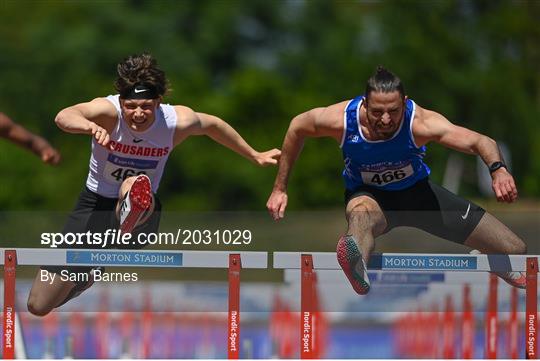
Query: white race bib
[387, 176]
[117, 169]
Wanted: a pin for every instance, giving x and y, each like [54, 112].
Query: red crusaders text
[136, 150]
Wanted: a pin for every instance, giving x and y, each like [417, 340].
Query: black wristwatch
[496, 165]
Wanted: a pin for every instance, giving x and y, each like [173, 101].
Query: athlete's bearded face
[139, 114]
[384, 113]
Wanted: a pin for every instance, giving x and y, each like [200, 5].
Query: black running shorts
[97, 214]
[426, 206]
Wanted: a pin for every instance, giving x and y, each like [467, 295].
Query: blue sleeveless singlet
[391, 164]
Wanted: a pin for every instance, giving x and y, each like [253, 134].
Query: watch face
[495, 166]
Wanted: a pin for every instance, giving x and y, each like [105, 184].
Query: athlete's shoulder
[322, 121]
[97, 108]
[339, 107]
[185, 115]
[423, 116]
[332, 114]
[428, 125]
[182, 109]
[109, 101]
[188, 122]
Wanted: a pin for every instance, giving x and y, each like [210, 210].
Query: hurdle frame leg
[513, 329]
[233, 340]
[448, 329]
[531, 320]
[492, 319]
[316, 340]
[467, 341]
[10, 263]
[306, 307]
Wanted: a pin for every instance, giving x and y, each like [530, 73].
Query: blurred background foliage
[256, 64]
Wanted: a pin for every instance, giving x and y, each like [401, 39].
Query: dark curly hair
[140, 69]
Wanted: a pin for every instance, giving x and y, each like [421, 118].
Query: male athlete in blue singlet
[133, 134]
[383, 136]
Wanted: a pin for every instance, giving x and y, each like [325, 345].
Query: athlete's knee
[358, 214]
[364, 211]
[37, 307]
[360, 208]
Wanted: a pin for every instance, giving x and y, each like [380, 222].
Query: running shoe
[350, 260]
[136, 203]
[513, 278]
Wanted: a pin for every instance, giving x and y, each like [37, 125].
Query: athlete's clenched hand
[276, 204]
[100, 134]
[49, 155]
[504, 186]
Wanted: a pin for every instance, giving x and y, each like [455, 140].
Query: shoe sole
[348, 257]
[521, 283]
[140, 197]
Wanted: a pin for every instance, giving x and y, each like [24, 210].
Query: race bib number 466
[386, 176]
[117, 169]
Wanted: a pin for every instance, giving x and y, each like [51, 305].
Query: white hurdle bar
[412, 262]
[233, 261]
[307, 262]
[328, 276]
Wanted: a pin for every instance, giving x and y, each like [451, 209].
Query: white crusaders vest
[130, 153]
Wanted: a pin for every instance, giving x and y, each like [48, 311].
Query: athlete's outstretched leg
[47, 294]
[135, 202]
[491, 236]
[365, 222]
[51, 289]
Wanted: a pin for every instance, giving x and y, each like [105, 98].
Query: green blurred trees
[257, 64]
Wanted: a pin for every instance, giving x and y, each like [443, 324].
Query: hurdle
[427, 283]
[233, 261]
[307, 262]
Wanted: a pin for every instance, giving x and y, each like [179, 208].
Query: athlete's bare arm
[431, 126]
[318, 122]
[97, 118]
[194, 123]
[26, 139]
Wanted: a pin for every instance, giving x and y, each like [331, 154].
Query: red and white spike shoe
[136, 203]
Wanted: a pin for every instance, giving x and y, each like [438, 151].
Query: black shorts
[97, 214]
[426, 206]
